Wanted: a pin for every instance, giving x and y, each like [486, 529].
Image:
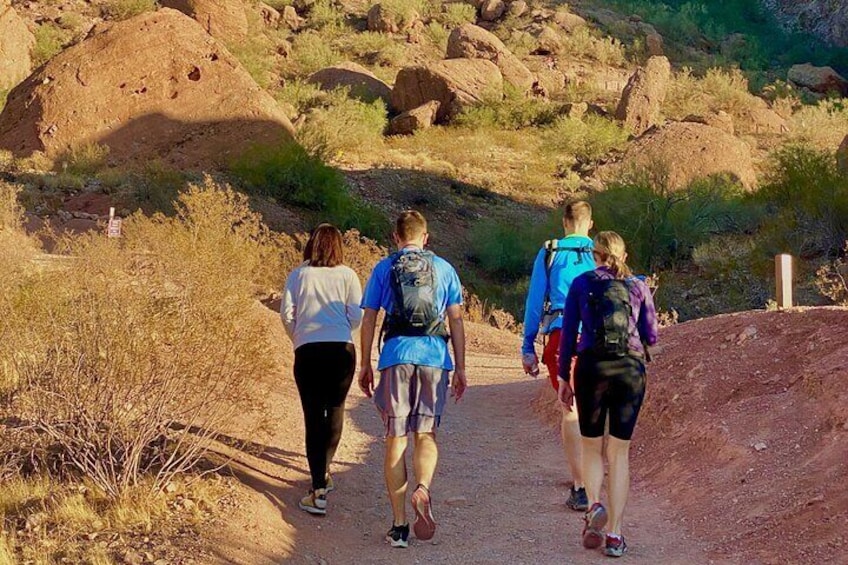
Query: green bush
[339, 124]
[50, 39]
[586, 139]
[662, 227]
[454, 14]
[507, 248]
[311, 52]
[806, 197]
[125, 9]
[763, 45]
[512, 111]
[291, 175]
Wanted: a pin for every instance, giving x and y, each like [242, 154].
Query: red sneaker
[615, 546]
[424, 524]
[596, 519]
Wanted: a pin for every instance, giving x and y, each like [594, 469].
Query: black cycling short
[608, 386]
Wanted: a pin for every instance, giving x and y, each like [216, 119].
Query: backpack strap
[551, 248]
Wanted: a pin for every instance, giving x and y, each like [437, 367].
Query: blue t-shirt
[565, 267]
[430, 351]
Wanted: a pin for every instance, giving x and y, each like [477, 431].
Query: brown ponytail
[611, 251]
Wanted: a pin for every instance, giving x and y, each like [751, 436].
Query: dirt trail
[498, 495]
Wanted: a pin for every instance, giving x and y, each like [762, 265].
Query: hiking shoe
[398, 536]
[578, 500]
[315, 502]
[596, 519]
[614, 546]
[424, 525]
[331, 486]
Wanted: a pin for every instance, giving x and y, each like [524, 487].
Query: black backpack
[413, 283]
[610, 308]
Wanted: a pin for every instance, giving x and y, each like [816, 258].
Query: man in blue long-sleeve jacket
[557, 264]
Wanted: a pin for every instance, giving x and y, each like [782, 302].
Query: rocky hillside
[827, 19]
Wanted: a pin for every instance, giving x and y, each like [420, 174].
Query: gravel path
[498, 497]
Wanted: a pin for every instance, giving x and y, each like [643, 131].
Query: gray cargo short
[411, 398]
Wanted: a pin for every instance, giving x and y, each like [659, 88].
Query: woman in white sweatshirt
[320, 311]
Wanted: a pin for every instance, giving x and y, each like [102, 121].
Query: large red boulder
[455, 83]
[156, 86]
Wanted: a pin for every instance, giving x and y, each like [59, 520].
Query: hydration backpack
[610, 309]
[413, 283]
[551, 248]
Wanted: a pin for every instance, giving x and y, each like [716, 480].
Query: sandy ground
[498, 497]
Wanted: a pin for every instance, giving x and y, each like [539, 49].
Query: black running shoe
[578, 500]
[398, 536]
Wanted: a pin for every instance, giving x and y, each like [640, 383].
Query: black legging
[323, 372]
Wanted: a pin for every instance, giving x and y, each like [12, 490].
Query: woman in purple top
[619, 321]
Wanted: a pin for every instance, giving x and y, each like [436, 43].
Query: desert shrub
[311, 52]
[373, 48]
[761, 45]
[85, 160]
[338, 124]
[155, 187]
[662, 226]
[128, 362]
[59, 512]
[822, 125]
[404, 12]
[507, 248]
[718, 89]
[300, 94]
[16, 249]
[832, 278]
[806, 197]
[326, 16]
[454, 14]
[438, 35]
[125, 9]
[50, 39]
[514, 110]
[586, 139]
[582, 43]
[289, 174]
[255, 55]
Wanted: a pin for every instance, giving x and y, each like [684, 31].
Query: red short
[550, 358]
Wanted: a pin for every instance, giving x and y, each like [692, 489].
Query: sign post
[114, 227]
[783, 276]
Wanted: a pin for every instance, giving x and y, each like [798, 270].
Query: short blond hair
[410, 225]
[577, 212]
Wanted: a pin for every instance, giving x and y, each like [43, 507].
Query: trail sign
[113, 229]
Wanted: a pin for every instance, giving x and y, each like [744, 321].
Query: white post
[783, 276]
[111, 214]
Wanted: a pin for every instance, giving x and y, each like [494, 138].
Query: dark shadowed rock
[818, 79]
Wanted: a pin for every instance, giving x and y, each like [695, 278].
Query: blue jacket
[566, 266]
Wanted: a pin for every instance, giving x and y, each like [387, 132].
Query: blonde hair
[611, 250]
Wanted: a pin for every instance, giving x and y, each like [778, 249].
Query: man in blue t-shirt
[556, 266]
[414, 364]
